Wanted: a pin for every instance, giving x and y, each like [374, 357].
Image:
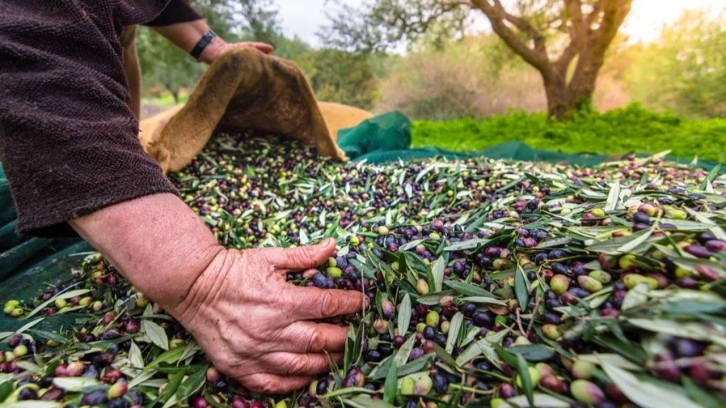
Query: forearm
[156, 242]
[186, 35]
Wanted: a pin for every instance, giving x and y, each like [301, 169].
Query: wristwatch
[203, 42]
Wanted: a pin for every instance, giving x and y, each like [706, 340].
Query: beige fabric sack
[247, 89]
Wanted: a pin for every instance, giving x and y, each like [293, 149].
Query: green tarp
[28, 264]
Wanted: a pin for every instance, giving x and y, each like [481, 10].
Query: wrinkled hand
[219, 48]
[256, 327]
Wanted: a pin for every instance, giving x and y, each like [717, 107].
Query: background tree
[336, 76]
[340, 76]
[164, 65]
[564, 40]
[260, 20]
[686, 71]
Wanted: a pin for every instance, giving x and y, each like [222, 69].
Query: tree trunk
[558, 104]
[589, 35]
[565, 98]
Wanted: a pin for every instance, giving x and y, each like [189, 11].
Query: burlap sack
[247, 89]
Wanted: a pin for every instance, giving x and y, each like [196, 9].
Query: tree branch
[537, 56]
[594, 14]
[592, 56]
[579, 30]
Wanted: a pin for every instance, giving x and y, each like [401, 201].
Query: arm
[186, 35]
[69, 146]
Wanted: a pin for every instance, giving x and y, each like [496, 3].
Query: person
[68, 143]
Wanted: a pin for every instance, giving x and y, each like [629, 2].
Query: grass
[620, 131]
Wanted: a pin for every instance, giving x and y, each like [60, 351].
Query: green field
[621, 131]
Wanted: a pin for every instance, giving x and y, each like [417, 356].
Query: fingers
[264, 47]
[274, 384]
[301, 258]
[311, 337]
[314, 303]
[290, 364]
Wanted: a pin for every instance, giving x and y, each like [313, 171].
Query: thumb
[301, 258]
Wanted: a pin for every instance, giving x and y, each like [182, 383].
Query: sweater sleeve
[68, 141]
[177, 11]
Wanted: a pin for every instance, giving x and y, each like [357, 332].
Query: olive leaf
[415, 366]
[617, 246]
[483, 346]
[523, 371]
[28, 326]
[191, 384]
[404, 314]
[467, 245]
[364, 401]
[616, 360]
[636, 296]
[467, 289]
[405, 351]
[63, 295]
[613, 197]
[445, 357]
[432, 299]
[172, 386]
[645, 393]
[454, 329]
[706, 185]
[36, 404]
[391, 384]
[437, 270]
[156, 334]
[701, 396]
[135, 357]
[170, 357]
[484, 300]
[6, 388]
[533, 352]
[521, 287]
[75, 384]
[538, 400]
[689, 330]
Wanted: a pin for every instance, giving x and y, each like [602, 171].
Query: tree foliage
[691, 57]
[335, 75]
[565, 40]
[340, 76]
[260, 20]
[163, 64]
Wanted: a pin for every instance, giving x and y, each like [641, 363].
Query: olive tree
[564, 40]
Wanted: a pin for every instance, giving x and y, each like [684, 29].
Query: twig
[534, 314]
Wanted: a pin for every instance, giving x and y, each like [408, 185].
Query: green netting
[28, 264]
[378, 135]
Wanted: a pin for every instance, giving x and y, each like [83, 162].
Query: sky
[304, 17]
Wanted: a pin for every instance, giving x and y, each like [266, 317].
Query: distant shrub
[477, 77]
[619, 131]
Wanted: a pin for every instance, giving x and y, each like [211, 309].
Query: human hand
[253, 325]
[256, 327]
[219, 47]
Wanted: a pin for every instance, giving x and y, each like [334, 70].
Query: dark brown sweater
[68, 141]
